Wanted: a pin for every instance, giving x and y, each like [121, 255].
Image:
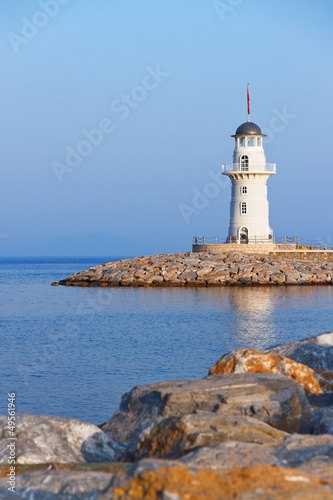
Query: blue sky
[165, 84]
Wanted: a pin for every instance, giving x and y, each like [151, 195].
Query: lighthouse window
[244, 163]
[250, 141]
[258, 141]
[244, 208]
[244, 190]
[242, 141]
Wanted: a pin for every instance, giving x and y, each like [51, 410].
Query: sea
[72, 352]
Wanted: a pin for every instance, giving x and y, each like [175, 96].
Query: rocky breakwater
[258, 426]
[203, 269]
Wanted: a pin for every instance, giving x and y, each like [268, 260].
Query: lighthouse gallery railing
[251, 167]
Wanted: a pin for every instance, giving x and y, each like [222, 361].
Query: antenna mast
[248, 103]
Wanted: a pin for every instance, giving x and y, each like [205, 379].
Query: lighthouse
[249, 172]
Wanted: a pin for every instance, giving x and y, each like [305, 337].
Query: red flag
[248, 100]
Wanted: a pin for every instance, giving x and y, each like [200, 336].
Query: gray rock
[244, 280]
[292, 275]
[188, 275]
[173, 437]
[315, 352]
[169, 480]
[304, 452]
[320, 401]
[291, 281]
[322, 421]
[191, 261]
[43, 439]
[278, 277]
[110, 272]
[303, 281]
[54, 485]
[99, 447]
[276, 400]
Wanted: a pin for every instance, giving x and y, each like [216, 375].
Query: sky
[117, 117]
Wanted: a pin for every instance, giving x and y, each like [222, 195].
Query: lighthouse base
[245, 240]
[257, 248]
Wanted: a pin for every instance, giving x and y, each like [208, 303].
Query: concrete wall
[318, 255]
[282, 251]
[234, 247]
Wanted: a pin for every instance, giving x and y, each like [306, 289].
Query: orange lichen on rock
[167, 439]
[325, 378]
[253, 361]
[182, 483]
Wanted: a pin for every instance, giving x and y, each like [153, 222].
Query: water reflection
[265, 316]
[252, 310]
[239, 317]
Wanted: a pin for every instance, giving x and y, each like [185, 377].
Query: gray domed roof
[248, 128]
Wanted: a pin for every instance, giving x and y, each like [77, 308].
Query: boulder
[322, 421]
[315, 352]
[311, 453]
[276, 400]
[278, 278]
[54, 485]
[204, 271]
[173, 437]
[253, 361]
[167, 480]
[41, 439]
[188, 275]
[157, 479]
[321, 401]
[171, 275]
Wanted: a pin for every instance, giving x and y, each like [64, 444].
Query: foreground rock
[54, 485]
[156, 480]
[167, 480]
[309, 453]
[322, 421]
[276, 400]
[204, 269]
[231, 435]
[42, 439]
[315, 352]
[107, 467]
[173, 437]
[253, 361]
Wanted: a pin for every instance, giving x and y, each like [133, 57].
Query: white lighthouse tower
[249, 172]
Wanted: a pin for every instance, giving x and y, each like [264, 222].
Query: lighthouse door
[244, 235]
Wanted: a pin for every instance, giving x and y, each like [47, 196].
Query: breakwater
[206, 269]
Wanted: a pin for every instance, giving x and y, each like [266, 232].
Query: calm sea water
[72, 352]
